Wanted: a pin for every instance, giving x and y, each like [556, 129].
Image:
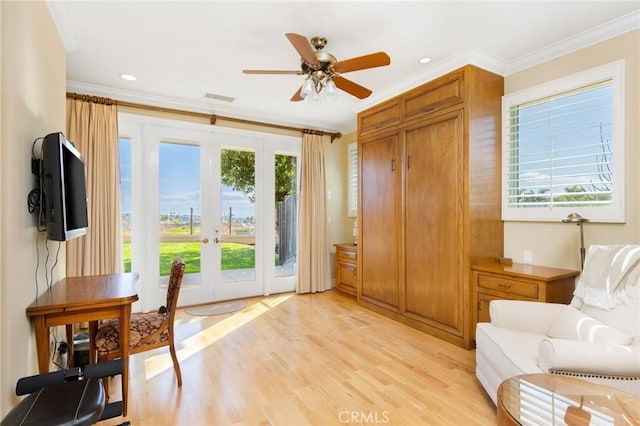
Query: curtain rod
[212, 118]
[333, 136]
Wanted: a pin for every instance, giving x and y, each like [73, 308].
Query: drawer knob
[504, 286]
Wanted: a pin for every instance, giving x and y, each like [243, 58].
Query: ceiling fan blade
[302, 45]
[372, 60]
[272, 72]
[297, 96]
[350, 87]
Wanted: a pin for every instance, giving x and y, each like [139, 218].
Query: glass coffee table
[548, 399]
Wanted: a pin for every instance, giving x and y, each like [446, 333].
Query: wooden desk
[553, 399]
[85, 299]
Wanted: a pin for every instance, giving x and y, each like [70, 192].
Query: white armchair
[596, 337]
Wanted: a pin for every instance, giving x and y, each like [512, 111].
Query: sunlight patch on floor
[156, 364]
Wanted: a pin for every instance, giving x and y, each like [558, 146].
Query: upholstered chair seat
[146, 329]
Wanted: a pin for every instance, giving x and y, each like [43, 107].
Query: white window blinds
[560, 154]
[352, 178]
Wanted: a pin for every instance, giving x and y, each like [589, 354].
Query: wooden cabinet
[519, 282]
[430, 202]
[346, 268]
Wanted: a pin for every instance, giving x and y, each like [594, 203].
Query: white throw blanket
[611, 276]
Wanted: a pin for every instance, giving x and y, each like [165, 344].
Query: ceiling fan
[324, 71]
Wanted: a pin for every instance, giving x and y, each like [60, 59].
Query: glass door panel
[180, 209]
[286, 204]
[237, 215]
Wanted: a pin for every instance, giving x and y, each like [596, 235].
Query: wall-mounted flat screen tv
[64, 188]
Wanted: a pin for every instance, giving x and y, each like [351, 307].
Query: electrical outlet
[527, 257]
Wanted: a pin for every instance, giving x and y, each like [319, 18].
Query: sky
[179, 182]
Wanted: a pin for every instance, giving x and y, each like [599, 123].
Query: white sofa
[596, 337]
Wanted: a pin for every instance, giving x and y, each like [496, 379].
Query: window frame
[615, 212]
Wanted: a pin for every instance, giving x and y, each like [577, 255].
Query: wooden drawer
[520, 288]
[348, 274]
[347, 255]
[384, 115]
[434, 96]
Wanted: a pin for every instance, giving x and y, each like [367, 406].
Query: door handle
[204, 241]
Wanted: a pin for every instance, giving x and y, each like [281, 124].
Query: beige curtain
[314, 274]
[92, 125]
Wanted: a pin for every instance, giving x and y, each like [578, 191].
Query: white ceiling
[182, 50]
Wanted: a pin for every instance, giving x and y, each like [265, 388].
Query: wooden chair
[149, 330]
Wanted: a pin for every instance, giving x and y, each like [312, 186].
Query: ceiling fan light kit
[323, 71]
[318, 84]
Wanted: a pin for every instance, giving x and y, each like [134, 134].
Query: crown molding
[579, 41]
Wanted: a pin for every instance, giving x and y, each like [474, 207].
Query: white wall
[557, 244]
[32, 105]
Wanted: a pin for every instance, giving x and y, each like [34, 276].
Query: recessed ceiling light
[128, 77]
[424, 60]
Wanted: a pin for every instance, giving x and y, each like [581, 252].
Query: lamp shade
[574, 218]
[307, 88]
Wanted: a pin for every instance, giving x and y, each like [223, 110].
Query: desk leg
[70, 357]
[42, 343]
[125, 328]
[93, 332]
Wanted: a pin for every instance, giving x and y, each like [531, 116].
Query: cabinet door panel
[434, 190]
[379, 220]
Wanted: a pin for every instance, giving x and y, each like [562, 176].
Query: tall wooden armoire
[429, 200]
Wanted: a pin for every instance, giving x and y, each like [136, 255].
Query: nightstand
[518, 282]
[346, 268]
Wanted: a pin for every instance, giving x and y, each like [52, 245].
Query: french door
[210, 196]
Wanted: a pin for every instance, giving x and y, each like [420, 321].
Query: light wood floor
[305, 360]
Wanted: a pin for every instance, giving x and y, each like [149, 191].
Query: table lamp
[578, 220]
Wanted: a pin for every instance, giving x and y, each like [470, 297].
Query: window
[563, 148]
[352, 178]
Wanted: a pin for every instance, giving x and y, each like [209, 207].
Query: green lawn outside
[234, 256]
